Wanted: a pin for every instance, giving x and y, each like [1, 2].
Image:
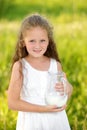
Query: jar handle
[64, 84]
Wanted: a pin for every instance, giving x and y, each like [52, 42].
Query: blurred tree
[4, 5]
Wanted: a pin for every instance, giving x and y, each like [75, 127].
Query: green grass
[16, 10]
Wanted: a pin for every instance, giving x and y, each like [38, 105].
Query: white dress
[33, 91]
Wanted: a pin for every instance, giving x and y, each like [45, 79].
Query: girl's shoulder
[16, 71]
[17, 65]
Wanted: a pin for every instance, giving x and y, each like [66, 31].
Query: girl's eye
[32, 41]
[42, 41]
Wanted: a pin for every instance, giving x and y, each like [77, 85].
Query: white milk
[56, 100]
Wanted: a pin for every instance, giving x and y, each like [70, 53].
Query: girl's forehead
[34, 29]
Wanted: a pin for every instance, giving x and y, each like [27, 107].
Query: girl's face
[36, 41]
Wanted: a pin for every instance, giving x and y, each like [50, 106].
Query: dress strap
[53, 66]
[24, 64]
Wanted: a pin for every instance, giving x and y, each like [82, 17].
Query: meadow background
[69, 19]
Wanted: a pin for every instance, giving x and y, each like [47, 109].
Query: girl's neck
[36, 59]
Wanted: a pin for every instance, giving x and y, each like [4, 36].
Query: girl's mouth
[37, 51]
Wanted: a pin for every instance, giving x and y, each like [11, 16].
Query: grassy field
[70, 32]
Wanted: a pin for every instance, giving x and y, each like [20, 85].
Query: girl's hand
[60, 87]
[55, 108]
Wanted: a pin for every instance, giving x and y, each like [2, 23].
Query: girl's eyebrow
[32, 40]
[42, 40]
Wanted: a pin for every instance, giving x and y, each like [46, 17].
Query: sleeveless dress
[33, 91]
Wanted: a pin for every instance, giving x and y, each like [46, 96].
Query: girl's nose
[37, 45]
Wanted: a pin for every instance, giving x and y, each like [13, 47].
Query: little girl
[35, 55]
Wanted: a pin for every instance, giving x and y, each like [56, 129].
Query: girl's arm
[14, 101]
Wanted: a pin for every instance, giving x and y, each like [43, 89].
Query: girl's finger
[58, 109]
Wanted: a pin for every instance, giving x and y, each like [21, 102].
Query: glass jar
[54, 97]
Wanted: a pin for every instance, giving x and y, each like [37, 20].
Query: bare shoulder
[16, 69]
[16, 65]
[59, 66]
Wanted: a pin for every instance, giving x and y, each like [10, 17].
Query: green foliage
[7, 117]
[6, 53]
[70, 28]
[4, 6]
[16, 10]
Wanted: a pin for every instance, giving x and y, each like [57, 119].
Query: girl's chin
[37, 55]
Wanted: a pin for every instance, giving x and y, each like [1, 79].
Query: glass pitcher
[54, 97]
